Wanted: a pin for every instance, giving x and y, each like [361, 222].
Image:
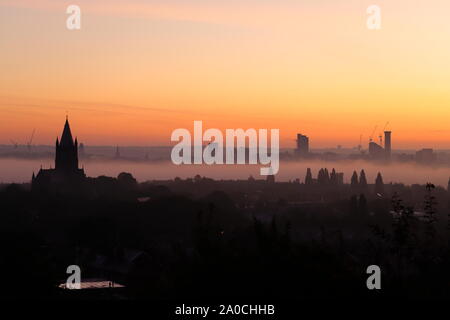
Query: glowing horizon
[139, 69]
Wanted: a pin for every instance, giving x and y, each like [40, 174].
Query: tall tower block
[387, 144]
[302, 144]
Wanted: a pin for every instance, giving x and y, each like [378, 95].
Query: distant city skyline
[139, 69]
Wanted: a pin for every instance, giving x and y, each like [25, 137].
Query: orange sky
[139, 69]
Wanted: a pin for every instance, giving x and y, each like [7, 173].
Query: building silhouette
[81, 151]
[66, 175]
[377, 151]
[426, 156]
[302, 144]
[388, 144]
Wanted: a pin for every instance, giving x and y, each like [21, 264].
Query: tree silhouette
[448, 208]
[333, 177]
[362, 205]
[354, 205]
[363, 180]
[354, 181]
[308, 178]
[321, 177]
[379, 184]
[326, 176]
[403, 222]
[430, 211]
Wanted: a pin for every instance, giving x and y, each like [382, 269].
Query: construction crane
[360, 143]
[373, 132]
[381, 133]
[31, 139]
[14, 143]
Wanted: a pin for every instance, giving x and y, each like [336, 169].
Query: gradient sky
[139, 69]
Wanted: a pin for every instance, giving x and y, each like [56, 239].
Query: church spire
[66, 157]
[66, 137]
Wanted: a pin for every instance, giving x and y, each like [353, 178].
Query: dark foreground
[203, 241]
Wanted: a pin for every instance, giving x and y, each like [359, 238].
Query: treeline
[208, 247]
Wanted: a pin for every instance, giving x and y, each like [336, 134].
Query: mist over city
[244, 159]
[153, 163]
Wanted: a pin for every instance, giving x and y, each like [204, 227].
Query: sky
[139, 69]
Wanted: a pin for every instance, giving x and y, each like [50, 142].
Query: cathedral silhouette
[66, 175]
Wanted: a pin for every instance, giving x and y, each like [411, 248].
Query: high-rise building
[387, 144]
[426, 156]
[302, 144]
[376, 151]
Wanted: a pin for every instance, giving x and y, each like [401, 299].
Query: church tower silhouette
[66, 176]
[66, 158]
